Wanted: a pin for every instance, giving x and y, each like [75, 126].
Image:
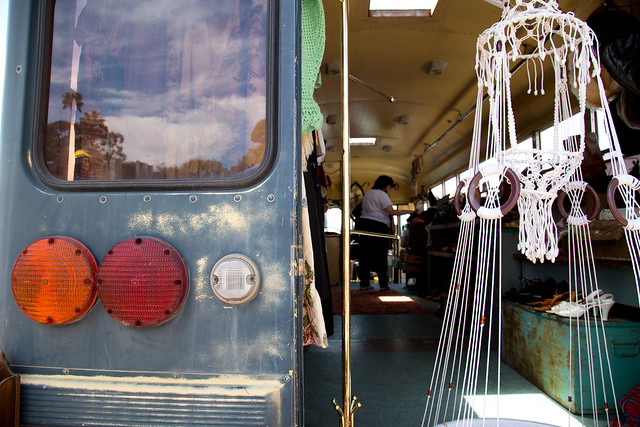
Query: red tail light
[53, 280]
[142, 282]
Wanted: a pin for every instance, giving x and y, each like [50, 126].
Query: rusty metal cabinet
[536, 345]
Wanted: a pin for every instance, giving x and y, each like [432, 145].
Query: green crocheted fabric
[313, 38]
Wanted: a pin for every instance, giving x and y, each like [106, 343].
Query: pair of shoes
[602, 303]
[385, 289]
[566, 305]
[366, 288]
[550, 303]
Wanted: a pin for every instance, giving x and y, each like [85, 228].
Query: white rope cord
[561, 39]
[484, 281]
[583, 277]
[465, 267]
[495, 251]
[570, 47]
[454, 320]
[633, 241]
[476, 327]
[628, 187]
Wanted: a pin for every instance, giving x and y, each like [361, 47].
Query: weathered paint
[536, 345]
[209, 348]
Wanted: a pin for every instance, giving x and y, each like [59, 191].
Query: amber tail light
[142, 282]
[53, 280]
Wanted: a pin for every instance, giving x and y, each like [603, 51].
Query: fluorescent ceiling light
[391, 298]
[362, 141]
[402, 7]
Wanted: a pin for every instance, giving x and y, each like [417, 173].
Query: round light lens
[142, 282]
[235, 279]
[53, 280]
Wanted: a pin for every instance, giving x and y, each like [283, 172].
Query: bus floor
[392, 359]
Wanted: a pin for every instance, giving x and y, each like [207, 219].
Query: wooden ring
[456, 198]
[474, 196]
[611, 195]
[587, 190]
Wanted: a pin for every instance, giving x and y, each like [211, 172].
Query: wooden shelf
[444, 226]
[598, 261]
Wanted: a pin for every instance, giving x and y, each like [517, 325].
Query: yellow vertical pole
[349, 404]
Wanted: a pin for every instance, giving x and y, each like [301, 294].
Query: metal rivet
[287, 378]
[193, 198]
[237, 198]
[271, 198]
[103, 199]
[65, 371]
[147, 198]
[19, 69]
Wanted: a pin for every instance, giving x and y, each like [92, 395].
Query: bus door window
[156, 90]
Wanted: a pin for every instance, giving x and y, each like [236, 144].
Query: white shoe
[604, 303]
[566, 305]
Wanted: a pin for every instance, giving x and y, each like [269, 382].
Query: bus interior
[412, 90]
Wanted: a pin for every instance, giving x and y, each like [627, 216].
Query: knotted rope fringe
[570, 47]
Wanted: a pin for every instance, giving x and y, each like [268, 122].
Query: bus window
[450, 186]
[149, 90]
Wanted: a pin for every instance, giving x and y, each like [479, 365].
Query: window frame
[44, 53]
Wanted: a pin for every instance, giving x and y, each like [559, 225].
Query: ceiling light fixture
[436, 68]
[394, 8]
[403, 120]
[362, 141]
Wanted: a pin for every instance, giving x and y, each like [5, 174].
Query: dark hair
[382, 181]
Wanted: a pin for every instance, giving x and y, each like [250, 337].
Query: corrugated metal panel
[199, 403]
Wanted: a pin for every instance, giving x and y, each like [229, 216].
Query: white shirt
[374, 204]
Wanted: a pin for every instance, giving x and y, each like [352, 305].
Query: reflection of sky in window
[126, 44]
[3, 46]
[143, 136]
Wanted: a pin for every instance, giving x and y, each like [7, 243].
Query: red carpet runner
[369, 302]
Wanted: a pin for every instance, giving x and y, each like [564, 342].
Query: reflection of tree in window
[68, 99]
[104, 148]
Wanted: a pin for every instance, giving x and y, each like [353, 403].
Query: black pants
[373, 252]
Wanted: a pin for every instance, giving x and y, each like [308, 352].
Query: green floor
[392, 360]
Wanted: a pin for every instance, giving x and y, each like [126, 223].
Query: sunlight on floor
[526, 407]
[395, 299]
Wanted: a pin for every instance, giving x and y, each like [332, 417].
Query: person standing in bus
[377, 213]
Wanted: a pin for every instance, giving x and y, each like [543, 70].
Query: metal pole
[389, 98]
[349, 404]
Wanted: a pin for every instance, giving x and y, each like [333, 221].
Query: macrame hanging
[538, 34]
